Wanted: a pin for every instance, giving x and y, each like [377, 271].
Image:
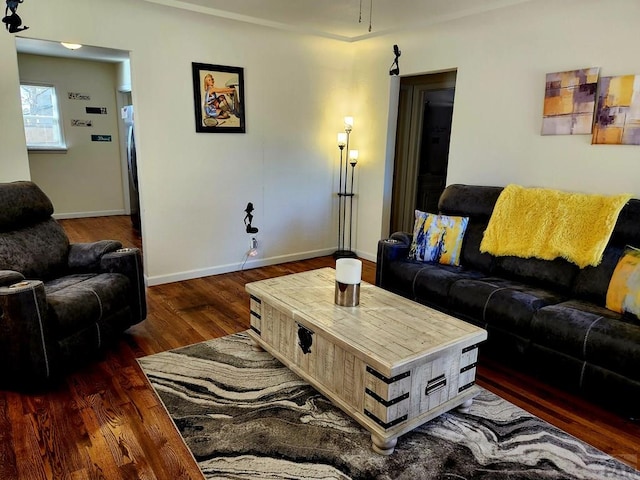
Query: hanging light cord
[370, 13]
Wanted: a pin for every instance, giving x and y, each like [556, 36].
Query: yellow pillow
[623, 294]
[437, 238]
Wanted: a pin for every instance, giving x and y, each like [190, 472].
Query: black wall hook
[12, 21]
[395, 68]
[248, 218]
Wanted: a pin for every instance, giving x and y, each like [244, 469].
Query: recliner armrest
[85, 257]
[9, 277]
[394, 248]
[403, 237]
[128, 261]
[28, 346]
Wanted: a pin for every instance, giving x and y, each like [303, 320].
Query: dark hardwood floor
[105, 422]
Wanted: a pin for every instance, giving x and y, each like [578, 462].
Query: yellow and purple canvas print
[618, 113]
[569, 102]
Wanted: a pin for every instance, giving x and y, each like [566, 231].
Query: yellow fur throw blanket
[545, 223]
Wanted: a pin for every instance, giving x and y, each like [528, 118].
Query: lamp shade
[348, 122]
[353, 157]
[342, 139]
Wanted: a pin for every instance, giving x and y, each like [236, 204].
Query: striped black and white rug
[246, 416]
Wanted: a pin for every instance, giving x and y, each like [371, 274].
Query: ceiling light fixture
[71, 46]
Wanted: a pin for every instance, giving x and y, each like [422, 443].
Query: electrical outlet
[253, 247]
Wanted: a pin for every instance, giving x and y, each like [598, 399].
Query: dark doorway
[425, 111]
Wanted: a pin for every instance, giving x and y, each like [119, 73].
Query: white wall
[14, 163]
[195, 186]
[502, 58]
[87, 179]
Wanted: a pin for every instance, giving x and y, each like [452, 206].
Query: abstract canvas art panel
[569, 102]
[618, 114]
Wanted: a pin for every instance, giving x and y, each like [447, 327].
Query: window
[42, 125]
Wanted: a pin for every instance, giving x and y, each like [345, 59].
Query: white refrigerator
[134, 196]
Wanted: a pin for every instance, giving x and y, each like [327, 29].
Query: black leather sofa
[547, 317]
[61, 304]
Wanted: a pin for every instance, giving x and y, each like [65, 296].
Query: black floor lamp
[344, 195]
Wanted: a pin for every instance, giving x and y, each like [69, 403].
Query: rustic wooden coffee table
[389, 363]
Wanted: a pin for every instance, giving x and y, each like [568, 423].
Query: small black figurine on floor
[248, 218]
[12, 22]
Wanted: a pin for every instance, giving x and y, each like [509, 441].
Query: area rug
[244, 415]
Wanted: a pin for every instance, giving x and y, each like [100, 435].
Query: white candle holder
[348, 279]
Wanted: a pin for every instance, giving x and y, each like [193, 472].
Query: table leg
[382, 446]
[465, 406]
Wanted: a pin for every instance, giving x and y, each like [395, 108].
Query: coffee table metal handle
[305, 339]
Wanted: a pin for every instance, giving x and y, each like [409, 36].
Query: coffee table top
[390, 331]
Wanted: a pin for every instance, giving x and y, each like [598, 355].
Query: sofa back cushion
[627, 229]
[557, 274]
[22, 203]
[471, 257]
[591, 283]
[31, 241]
[37, 251]
[475, 202]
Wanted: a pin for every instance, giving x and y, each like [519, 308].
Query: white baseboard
[367, 256]
[101, 213]
[252, 262]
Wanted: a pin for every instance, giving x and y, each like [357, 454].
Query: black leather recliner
[61, 304]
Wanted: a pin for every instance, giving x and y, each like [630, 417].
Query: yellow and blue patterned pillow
[623, 294]
[437, 238]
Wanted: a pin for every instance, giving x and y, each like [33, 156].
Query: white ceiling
[340, 19]
[55, 49]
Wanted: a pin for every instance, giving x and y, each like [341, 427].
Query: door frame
[406, 160]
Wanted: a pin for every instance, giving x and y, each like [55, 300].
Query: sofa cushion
[76, 301]
[556, 274]
[591, 333]
[623, 294]
[500, 302]
[432, 282]
[38, 251]
[437, 238]
[564, 326]
[400, 275]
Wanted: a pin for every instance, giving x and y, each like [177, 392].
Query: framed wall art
[569, 102]
[218, 93]
[618, 112]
